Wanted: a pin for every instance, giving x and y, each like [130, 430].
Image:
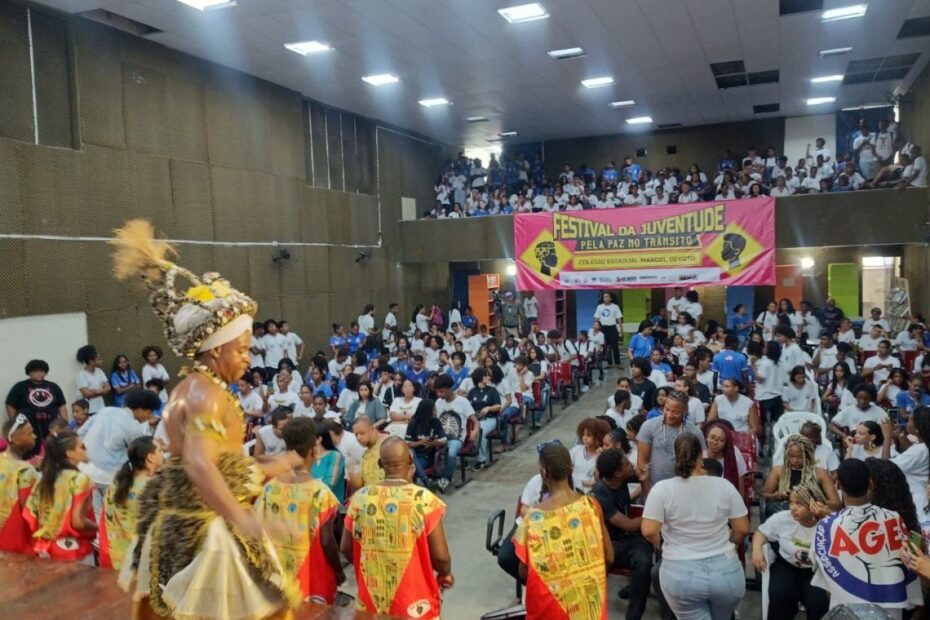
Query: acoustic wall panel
[349, 152]
[334, 155]
[149, 191]
[184, 106]
[316, 268]
[337, 207]
[244, 204]
[13, 287]
[319, 162]
[365, 153]
[233, 263]
[146, 108]
[11, 212]
[287, 208]
[191, 199]
[54, 93]
[49, 182]
[96, 285]
[254, 125]
[16, 120]
[99, 91]
[104, 196]
[314, 216]
[287, 145]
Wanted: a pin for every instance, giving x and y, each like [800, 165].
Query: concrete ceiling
[658, 51]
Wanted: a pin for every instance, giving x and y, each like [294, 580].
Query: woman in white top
[914, 460]
[154, 370]
[591, 432]
[867, 441]
[402, 409]
[721, 448]
[838, 393]
[896, 382]
[768, 383]
[800, 393]
[696, 413]
[420, 319]
[735, 408]
[697, 520]
[610, 317]
[767, 321]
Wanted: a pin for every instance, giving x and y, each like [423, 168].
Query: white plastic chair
[766, 575]
[247, 447]
[791, 422]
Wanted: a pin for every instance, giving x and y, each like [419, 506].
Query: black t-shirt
[612, 501]
[484, 397]
[645, 390]
[702, 392]
[431, 430]
[39, 401]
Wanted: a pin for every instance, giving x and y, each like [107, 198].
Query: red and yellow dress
[117, 526]
[53, 536]
[390, 526]
[17, 478]
[305, 507]
[563, 550]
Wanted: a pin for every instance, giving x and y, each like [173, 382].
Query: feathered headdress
[208, 314]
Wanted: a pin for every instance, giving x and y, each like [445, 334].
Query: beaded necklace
[216, 380]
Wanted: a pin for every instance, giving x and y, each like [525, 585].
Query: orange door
[789, 283]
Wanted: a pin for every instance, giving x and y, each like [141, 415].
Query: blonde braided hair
[807, 468]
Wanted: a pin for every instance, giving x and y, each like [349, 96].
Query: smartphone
[915, 543]
[893, 415]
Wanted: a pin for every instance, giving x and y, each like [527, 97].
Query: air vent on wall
[766, 108]
[916, 27]
[879, 69]
[669, 126]
[789, 7]
[115, 20]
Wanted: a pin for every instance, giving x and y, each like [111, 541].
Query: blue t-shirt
[480, 213]
[736, 321]
[469, 320]
[337, 341]
[325, 388]
[730, 365]
[457, 377]
[611, 175]
[907, 403]
[655, 412]
[662, 367]
[635, 170]
[419, 377]
[641, 346]
[119, 380]
[355, 341]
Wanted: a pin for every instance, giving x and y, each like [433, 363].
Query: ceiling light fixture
[524, 13]
[622, 104]
[639, 120]
[380, 79]
[568, 53]
[308, 47]
[429, 103]
[820, 100]
[844, 12]
[204, 5]
[507, 134]
[597, 82]
[807, 262]
[477, 119]
[823, 79]
[836, 51]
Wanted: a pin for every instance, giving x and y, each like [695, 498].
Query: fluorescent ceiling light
[381, 79]
[844, 12]
[820, 100]
[429, 103]
[568, 52]
[867, 106]
[203, 5]
[507, 134]
[308, 47]
[639, 120]
[826, 78]
[836, 51]
[622, 104]
[524, 13]
[596, 82]
[476, 119]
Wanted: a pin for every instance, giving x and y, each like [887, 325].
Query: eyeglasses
[542, 446]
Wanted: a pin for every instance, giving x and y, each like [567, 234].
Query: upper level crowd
[879, 158]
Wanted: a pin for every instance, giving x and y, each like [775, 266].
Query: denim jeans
[487, 425]
[421, 462]
[504, 421]
[454, 447]
[706, 589]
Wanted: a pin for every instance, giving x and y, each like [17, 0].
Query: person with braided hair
[798, 467]
[790, 574]
[570, 526]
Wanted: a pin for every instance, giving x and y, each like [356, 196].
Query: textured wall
[206, 153]
[915, 112]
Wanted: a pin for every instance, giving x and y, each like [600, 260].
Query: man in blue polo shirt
[730, 363]
[632, 168]
[356, 339]
[610, 174]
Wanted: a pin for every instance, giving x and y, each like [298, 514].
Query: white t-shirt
[251, 403]
[351, 449]
[914, 463]
[869, 343]
[157, 371]
[530, 307]
[636, 403]
[827, 357]
[768, 320]
[794, 540]
[866, 155]
[920, 166]
[608, 314]
[799, 399]
[275, 346]
[93, 381]
[366, 324]
[531, 494]
[695, 309]
[741, 468]
[694, 514]
[674, 306]
[880, 376]
[620, 419]
[460, 406]
[736, 413]
[851, 417]
[346, 398]
[283, 399]
[291, 343]
[768, 379]
[390, 322]
[582, 467]
[273, 443]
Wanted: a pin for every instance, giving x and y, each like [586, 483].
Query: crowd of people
[878, 159]
[831, 416]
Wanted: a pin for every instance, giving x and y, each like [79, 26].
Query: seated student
[631, 550]
[329, 465]
[425, 436]
[661, 370]
[485, 400]
[269, 439]
[870, 340]
[790, 574]
[308, 549]
[798, 466]
[879, 366]
[621, 412]
[349, 394]
[721, 448]
[846, 421]
[844, 354]
[120, 514]
[824, 455]
[283, 396]
[60, 510]
[636, 403]
[590, 435]
[367, 405]
[79, 414]
[17, 479]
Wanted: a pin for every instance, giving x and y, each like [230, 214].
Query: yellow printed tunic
[371, 470]
[117, 526]
[17, 479]
[390, 526]
[305, 507]
[563, 550]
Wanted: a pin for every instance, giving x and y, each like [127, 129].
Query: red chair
[469, 448]
[864, 355]
[635, 511]
[907, 360]
[746, 444]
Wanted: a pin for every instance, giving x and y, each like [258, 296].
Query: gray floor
[480, 586]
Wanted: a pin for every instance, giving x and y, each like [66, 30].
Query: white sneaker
[442, 484]
[584, 388]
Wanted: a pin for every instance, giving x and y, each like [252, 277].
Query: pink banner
[706, 243]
